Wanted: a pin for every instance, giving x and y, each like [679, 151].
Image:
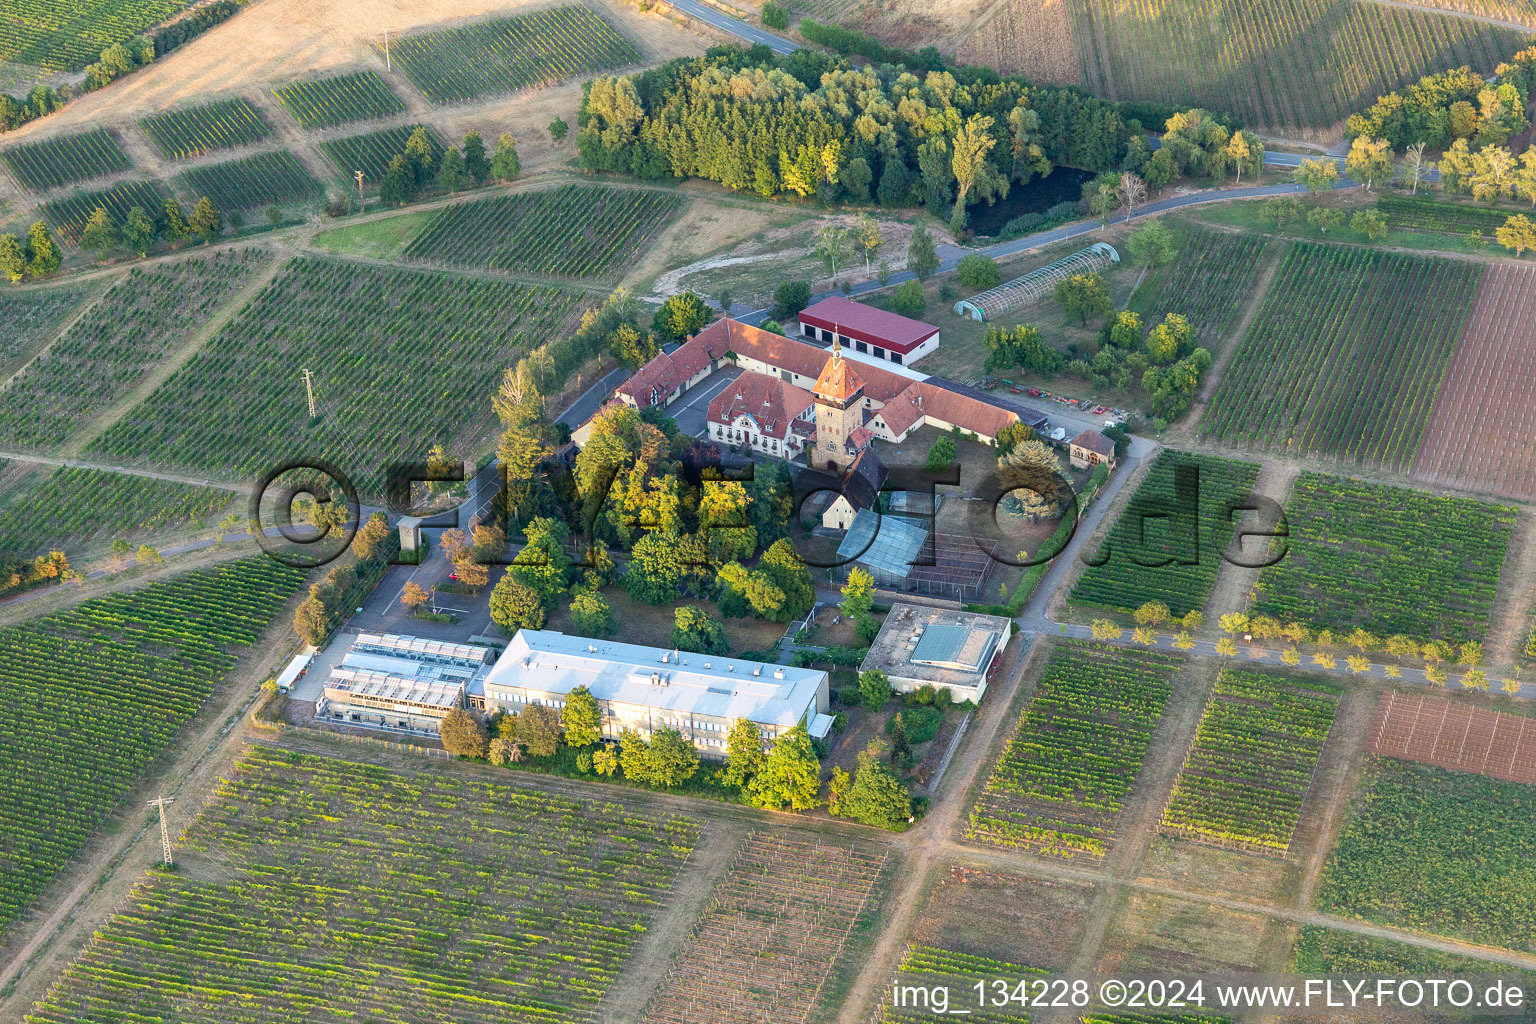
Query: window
[879, 352]
[860, 346]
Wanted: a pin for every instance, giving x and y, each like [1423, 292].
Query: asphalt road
[725, 23]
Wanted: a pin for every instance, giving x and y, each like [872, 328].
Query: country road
[735, 26]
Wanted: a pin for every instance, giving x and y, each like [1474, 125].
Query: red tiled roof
[858, 437]
[1094, 442]
[772, 402]
[856, 320]
[838, 381]
[665, 374]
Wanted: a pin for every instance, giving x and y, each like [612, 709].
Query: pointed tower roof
[838, 382]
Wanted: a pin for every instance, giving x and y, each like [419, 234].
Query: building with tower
[839, 393]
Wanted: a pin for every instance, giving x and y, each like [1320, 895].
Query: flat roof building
[401, 683]
[919, 646]
[652, 688]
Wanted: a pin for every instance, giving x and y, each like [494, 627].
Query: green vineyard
[1061, 782]
[66, 159]
[1212, 269]
[67, 35]
[1346, 356]
[324, 889]
[1319, 951]
[507, 54]
[371, 153]
[1386, 559]
[579, 231]
[265, 179]
[927, 967]
[1437, 851]
[1276, 63]
[1191, 543]
[1437, 215]
[75, 507]
[27, 319]
[69, 214]
[398, 357]
[119, 340]
[91, 696]
[326, 102]
[180, 134]
[1246, 776]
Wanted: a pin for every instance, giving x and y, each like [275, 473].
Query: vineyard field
[403, 359]
[507, 54]
[1248, 772]
[371, 153]
[1439, 215]
[69, 214]
[1062, 780]
[339, 99]
[1275, 63]
[67, 35]
[265, 179]
[1122, 583]
[929, 966]
[66, 159]
[75, 507]
[428, 895]
[1387, 559]
[1346, 356]
[144, 317]
[28, 318]
[1319, 951]
[1521, 11]
[1482, 433]
[1028, 37]
[91, 696]
[780, 917]
[225, 124]
[578, 231]
[1212, 270]
[1437, 851]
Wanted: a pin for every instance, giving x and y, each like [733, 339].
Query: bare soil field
[1005, 917]
[1482, 433]
[1030, 37]
[1416, 727]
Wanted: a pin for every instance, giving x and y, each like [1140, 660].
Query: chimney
[778, 673]
[655, 678]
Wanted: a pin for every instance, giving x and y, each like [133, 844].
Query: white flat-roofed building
[920, 645]
[652, 688]
[403, 683]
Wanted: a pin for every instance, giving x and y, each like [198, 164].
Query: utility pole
[387, 65]
[309, 390]
[362, 203]
[165, 833]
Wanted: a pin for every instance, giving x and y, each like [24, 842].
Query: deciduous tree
[463, 734]
[790, 777]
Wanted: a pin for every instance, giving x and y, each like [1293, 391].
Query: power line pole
[309, 390]
[165, 833]
[362, 203]
[387, 65]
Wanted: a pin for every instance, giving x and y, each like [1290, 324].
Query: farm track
[87, 434]
[1234, 583]
[1333, 782]
[1451, 12]
[1233, 341]
[64, 327]
[1509, 620]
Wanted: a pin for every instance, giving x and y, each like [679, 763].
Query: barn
[870, 331]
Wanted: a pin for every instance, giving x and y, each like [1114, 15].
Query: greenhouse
[1036, 285]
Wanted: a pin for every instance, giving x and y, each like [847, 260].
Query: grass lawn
[651, 625]
[376, 239]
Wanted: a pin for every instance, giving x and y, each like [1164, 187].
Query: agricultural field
[372, 152]
[1521, 11]
[1482, 433]
[928, 967]
[1320, 951]
[193, 131]
[1212, 268]
[402, 359]
[1432, 214]
[1029, 37]
[1061, 782]
[77, 507]
[66, 35]
[263, 179]
[1274, 63]
[91, 696]
[429, 895]
[1123, 583]
[992, 913]
[507, 54]
[68, 215]
[339, 99]
[1454, 734]
[579, 231]
[27, 319]
[1249, 770]
[141, 320]
[1387, 559]
[65, 159]
[1437, 851]
[776, 927]
[1346, 355]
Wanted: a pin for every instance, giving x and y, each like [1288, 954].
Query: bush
[909, 299]
[789, 298]
[922, 723]
[775, 15]
[978, 271]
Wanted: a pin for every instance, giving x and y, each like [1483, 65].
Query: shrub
[909, 299]
[978, 271]
[775, 15]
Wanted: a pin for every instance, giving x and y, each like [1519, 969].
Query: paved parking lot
[692, 411]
